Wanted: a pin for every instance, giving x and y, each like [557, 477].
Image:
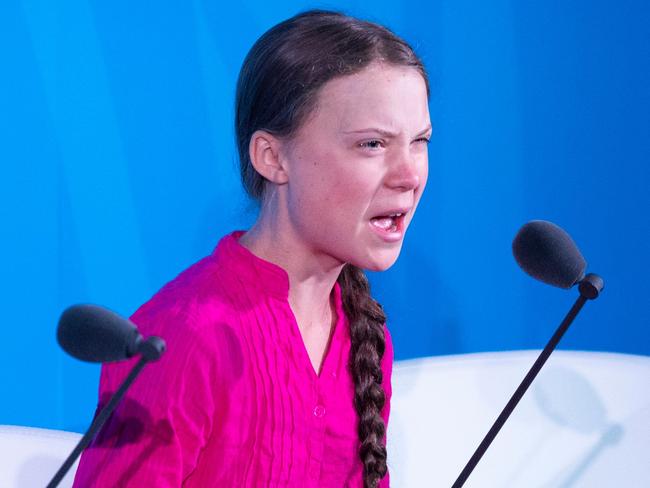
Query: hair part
[277, 90]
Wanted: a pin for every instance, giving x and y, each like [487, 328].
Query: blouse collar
[262, 275]
[238, 260]
[265, 276]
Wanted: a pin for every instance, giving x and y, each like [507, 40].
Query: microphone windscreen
[95, 334]
[546, 252]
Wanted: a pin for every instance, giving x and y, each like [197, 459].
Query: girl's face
[359, 157]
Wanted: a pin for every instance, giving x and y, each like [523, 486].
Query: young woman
[278, 364]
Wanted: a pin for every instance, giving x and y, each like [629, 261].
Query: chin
[381, 262]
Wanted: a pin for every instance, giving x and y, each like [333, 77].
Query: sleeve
[387, 372]
[155, 435]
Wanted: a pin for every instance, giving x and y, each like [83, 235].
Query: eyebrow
[385, 133]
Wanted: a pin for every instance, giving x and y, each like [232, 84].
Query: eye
[423, 139]
[372, 144]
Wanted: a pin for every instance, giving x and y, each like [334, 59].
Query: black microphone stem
[589, 288]
[98, 422]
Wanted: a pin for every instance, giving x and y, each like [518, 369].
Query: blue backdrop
[119, 171]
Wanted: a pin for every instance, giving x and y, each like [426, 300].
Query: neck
[311, 275]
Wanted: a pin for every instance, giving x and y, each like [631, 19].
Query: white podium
[29, 457]
[584, 421]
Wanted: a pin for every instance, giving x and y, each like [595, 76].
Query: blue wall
[119, 171]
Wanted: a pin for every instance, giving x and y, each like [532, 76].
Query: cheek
[333, 183]
[334, 198]
[313, 193]
[351, 193]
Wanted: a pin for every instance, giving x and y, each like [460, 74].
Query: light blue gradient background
[119, 171]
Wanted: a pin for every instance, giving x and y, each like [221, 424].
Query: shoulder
[189, 314]
[194, 314]
[196, 298]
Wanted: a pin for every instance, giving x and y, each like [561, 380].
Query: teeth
[385, 224]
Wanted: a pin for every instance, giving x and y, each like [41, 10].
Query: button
[333, 374]
[319, 411]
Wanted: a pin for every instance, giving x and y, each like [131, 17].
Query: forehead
[390, 96]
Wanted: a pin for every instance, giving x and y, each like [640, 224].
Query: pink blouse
[235, 400]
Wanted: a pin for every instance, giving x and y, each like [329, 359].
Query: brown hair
[276, 90]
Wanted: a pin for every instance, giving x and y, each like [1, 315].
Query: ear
[264, 150]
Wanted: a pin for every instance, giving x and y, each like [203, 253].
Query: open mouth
[389, 223]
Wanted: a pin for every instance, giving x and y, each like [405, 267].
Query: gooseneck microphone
[98, 335]
[547, 253]
[95, 334]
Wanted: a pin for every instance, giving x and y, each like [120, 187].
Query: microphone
[95, 334]
[547, 253]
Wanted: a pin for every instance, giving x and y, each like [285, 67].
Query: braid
[367, 320]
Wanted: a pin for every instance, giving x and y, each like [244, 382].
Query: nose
[403, 173]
